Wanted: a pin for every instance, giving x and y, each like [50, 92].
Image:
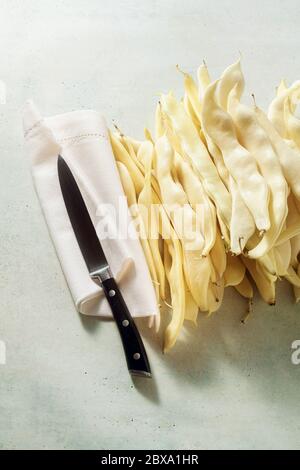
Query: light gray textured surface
[65, 384]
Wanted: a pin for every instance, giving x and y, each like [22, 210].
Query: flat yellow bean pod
[276, 111]
[134, 143]
[175, 199]
[217, 157]
[194, 148]
[264, 284]
[192, 97]
[240, 163]
[289, 158]
[218, 256]
[292, 122]
[293, 277]
[191, 113]
[191, 308]
[174, 272]
[198, 276]
[131, 145]
[122, 155]
[255, 140]
[178, 208]
[235, 271]
[203, 80]
[199, 201]
[129, 190]
[295, 250]
[282, 87]
[242, 225]
[230, 78]
[150, 217]
[148, 135]
[282, 254]
[291, 229]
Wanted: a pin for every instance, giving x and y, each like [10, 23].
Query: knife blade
[99, 270]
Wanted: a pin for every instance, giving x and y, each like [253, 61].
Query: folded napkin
[81, 137]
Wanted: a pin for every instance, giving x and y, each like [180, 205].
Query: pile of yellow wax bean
[232, 173]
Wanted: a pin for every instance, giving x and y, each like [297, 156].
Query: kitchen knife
[99, 270]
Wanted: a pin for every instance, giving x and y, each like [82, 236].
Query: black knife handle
[136, 356]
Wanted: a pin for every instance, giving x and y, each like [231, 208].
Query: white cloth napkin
[81, 137]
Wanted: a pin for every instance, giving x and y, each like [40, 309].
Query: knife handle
[136, 356]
